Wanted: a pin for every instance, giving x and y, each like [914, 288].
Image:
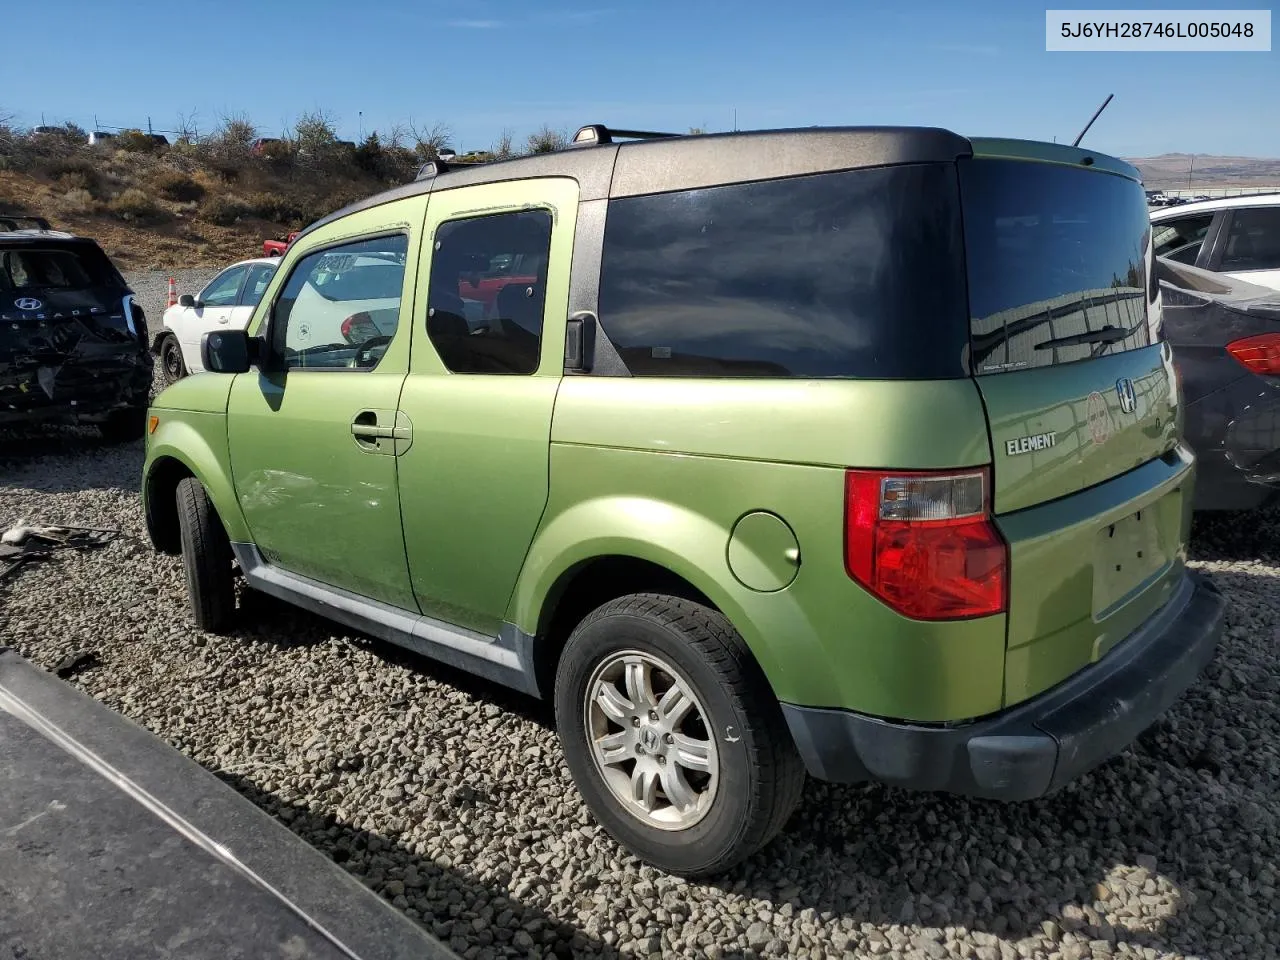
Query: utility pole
[735, 119]
[1189, 169]
[360, 113]
[148, 126]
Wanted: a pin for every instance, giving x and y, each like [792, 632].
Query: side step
[506, 659]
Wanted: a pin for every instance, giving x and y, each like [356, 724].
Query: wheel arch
[641, 547]
[589, 584]
[183, 452]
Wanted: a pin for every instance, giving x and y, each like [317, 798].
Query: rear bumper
[1037, 746]
[75, 391]
[1222, 485]
[1235, 433]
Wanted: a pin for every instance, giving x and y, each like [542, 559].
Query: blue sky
[482, 66]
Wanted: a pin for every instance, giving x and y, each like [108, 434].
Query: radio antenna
[1076, 143]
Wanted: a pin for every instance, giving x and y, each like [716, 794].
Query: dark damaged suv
[73, 343]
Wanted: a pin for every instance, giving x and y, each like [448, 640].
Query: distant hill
[1169, 171]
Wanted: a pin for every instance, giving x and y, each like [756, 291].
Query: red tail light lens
[358, 328]
[1260, 354]
[924, 543]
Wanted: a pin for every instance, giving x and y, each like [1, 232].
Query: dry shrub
[137, 206]
[228, 171]
[135, 141]
[174, 185]
[223, 210]
[78, 202]
[75, 181]
[275, 206]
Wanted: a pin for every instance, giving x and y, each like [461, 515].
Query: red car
[276, 248]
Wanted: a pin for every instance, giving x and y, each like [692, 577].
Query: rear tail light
[1259, 354]
[924, 543]
[358, 328]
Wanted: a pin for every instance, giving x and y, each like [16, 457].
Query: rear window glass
[1253, 242]
[852, 274]
[54, 269]
[1056, 261]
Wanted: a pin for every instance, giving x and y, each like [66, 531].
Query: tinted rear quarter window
[854, 274]
[1054, 253]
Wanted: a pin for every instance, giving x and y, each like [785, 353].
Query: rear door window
[836, 275]
[1169, 236]
[1057, 263]
[1253, 240]
[488, 290]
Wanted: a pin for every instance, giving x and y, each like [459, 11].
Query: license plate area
[1127, 555]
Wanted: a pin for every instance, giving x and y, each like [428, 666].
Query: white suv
[225, 303]
[1236, 236]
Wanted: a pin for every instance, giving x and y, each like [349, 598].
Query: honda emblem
[1128, 399]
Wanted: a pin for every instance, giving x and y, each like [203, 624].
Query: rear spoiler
[11, 222]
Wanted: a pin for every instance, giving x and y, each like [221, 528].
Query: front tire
[673, 735]
[206, 558]
[172, 366]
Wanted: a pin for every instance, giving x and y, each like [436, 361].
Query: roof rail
[596, 133]
[10, 221]
[437, 166]
[430, 169]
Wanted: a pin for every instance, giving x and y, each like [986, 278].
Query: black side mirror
[186, 300]
[228, 351]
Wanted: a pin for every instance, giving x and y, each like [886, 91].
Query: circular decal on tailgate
[1099, 417]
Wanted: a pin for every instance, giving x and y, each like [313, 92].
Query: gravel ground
[451, 798]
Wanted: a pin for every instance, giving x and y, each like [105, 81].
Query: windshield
[1057, 263]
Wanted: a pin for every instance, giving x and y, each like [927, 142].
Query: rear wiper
[1107, 334]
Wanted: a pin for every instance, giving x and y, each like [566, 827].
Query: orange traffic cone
[173, 293]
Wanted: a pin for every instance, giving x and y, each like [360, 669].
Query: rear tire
[172, 366]
[690, 715]
[124, 426]
[206, 558]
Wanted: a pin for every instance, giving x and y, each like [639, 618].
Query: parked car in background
[276, 248]
[1236, 236]
[649, 487]
[98, 137]
[73, 341]
[1225, 334]
[260, 146]
[225, 303]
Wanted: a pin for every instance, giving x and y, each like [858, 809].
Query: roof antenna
[1077, 140]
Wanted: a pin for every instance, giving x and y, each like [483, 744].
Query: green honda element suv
[852, 452]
